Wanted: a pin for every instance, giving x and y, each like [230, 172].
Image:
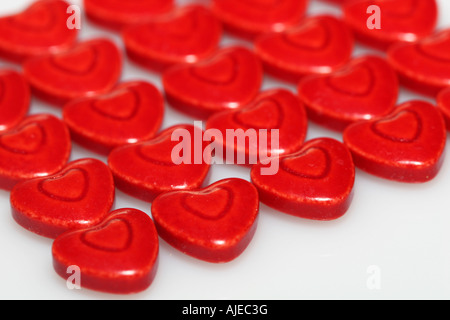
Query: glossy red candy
[91, 67]
[315, 182]
[38, 146]
[405, 146]
[249, 18]
[117, 14]
[214, 224]
[423, 66]
[443, 103]
[186, 35]
[79, 196]
[14, 98]
[400, 20]
[119, 255]
[230, 79]
[166, 162]
[273, 109]
[339, 2]
[365, 88]
[131, 112]
[39, 29]
[319, 45]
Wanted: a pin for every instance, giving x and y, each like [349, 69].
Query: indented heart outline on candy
[325, 172]
[84, 72]
[256, 105]
[26, 35]
[249, 20]
[416, 158]
[402, 139]
[179, 34]
[189, 34]
[421, 46]
[229, 80]
[205, 192]
[13, 20]
[82, 195]
[116, 15]
[156, 140]
[399, 24]
[134, 110]
[79, 196]
[325, 42]
[214, 240]
[100, 228]
[319, 189]
[122, 258]
[235, 82]
[146, 172]
[17, 131]
[366, 92]
[423, 66]
[61, 77]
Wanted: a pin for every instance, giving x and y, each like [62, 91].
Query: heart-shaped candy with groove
[318, 45]
[117, 14]
[407, 145]
[250, 18]
[40, 29]
[90, 67]
[214, 224]
[365, 88]
[38, 146]
[79, 196]
[119, 255]
[399, 20]
[316, 182]
[172, 160]
[131, 112]
[186, 35]
[230, 79]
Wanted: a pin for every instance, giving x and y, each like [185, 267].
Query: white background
[401, 230]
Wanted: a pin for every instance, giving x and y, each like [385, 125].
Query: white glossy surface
[400, 230]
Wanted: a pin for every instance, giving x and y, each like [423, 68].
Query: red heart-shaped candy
[249, 18]
[365, 88]
[400, 20]
[91, 67]
[38, 146]
[119, 255]
[116, 14]
[318, 45]
[14, 98]
[230, 79]
[275, 109]
[40, 29]
[79, 196]
[423, 66]
[315, 182]
[405, 146]
[186, 35]
[443, 103]
[214, 224]
[130, 113]
[166, 162]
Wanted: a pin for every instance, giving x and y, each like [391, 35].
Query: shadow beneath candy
[124, 200]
